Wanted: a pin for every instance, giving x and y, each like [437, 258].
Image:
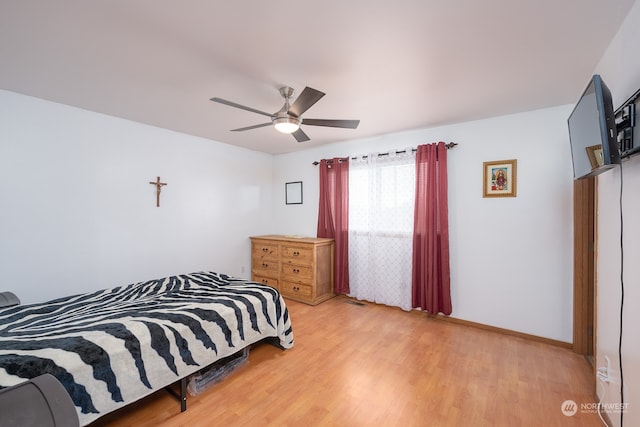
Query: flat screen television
[592, 131]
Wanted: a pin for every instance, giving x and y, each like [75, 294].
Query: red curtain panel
[333, 216]
[430, 271]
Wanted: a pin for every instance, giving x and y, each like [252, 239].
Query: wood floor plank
[370, 365]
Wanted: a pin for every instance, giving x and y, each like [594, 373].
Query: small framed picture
[595, 156]
[499, 178]
[293, 193]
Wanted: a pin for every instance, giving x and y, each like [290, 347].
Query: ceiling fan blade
[305, 100]
[252, 127]
[348, 124]
[242, 107]
[300, 136]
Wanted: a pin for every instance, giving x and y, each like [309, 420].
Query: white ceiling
[395, 65]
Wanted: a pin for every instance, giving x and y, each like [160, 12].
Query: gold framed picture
[595, 156]
[499, 178]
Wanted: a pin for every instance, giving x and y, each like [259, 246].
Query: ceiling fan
[289, 118]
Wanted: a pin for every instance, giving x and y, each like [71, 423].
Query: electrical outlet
[604, 372]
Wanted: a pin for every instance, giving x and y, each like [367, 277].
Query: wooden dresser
[301, 268]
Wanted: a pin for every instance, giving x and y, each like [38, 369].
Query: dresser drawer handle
[296, 253]
[295, 270]
[265, 265]
[264, 249]
[296, 289]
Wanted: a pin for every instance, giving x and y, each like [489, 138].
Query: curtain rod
[449, 146]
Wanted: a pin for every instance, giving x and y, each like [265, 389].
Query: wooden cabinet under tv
[301, 268]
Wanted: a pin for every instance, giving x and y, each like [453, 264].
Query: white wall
[77, 211]
[620, 69]
[511, 258]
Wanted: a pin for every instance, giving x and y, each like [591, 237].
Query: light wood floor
[373, 365]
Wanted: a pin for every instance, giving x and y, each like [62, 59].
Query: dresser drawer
[269, 281]
[265, 267]
[297, 272]
[295, 289]
[260, 250]
[297, 255]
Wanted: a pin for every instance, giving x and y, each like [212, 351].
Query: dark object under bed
[40, 402]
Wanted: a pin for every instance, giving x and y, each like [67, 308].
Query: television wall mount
[626, 118]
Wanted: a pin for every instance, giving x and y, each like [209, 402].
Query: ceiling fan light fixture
[286, 124]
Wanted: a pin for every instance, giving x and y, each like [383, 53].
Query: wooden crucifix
[158, 185]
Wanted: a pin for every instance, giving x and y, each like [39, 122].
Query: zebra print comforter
[112, 347]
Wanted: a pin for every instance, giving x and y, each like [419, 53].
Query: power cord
[604, 374]
[621, 303]
[601, 376]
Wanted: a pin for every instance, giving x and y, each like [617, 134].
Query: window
[381, 196]
[381, 205]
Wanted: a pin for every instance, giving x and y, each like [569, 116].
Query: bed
[112, 347]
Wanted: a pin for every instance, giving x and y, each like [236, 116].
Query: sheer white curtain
[381, 204]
